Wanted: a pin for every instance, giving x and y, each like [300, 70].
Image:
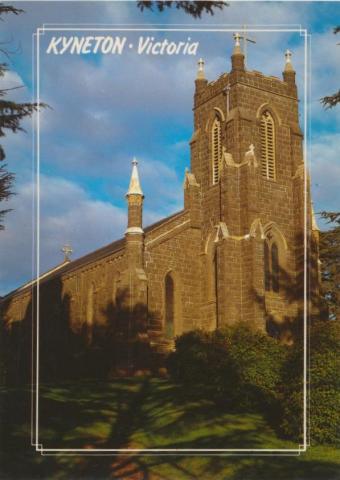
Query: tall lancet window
[267, 275]
[89, 313]
[169, 306]
[275, 268]
[216, 150]
[271, 267]
[90, 305]
[267, 131]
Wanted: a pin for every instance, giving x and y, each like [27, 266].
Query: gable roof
[91, 257]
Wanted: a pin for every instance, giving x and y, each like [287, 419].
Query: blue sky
[106, 109]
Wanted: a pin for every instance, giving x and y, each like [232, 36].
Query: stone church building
[237, 250]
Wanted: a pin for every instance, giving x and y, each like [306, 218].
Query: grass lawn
[145, 413]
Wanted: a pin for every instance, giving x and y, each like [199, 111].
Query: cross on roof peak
[237, 38]
[246, 39]
[67, 250]
[200, 71]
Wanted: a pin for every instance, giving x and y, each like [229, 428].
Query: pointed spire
[200, 70]
[237, 58]
[134, 187]
[289, 72]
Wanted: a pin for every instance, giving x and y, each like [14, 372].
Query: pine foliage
[330, 264]
[11, 116]
[332, 100]
[195, 9]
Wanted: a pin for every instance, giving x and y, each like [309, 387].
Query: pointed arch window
[216, 149]
[266, 267]
[90, 305]
[271, 267]
[275, 267]
[169, 306]
[115, 288]
[214, 275]
[267, 133]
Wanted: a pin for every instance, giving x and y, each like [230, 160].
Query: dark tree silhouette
[195, 9]
[330, 263]
[11, 116]
[332, 100]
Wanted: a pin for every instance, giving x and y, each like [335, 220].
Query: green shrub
[324, 377]
[259, 359]
[325, 382]
[237, 366]
[292, 394]
[199, 359]
[245, 369]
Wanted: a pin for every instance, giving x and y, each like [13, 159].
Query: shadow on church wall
[116, 346]
[284, 310]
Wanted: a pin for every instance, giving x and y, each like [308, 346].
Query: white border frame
[36, 148]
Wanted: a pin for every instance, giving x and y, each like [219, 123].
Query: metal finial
[67, 251]
[200, 71]
[134, 187]
[246, 39]
[288, 56]
[237, 38]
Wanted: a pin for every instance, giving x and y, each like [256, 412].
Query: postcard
[169, 240]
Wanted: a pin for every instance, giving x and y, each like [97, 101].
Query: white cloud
[325, 172]
[67, 215]
[105, 112]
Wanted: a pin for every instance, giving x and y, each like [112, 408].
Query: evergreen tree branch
[4, 9]
[332, 100]
[6, 182]
[11, 116]
[194, 8]
[331, 216]
[12, 113]
[330, 263]
[3, 69]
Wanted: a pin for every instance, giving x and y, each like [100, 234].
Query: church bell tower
[247, 159]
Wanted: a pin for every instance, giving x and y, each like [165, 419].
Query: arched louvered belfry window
[267, 272]
[216, 149]
[267, 131]
[169, 306]
[275, 267]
